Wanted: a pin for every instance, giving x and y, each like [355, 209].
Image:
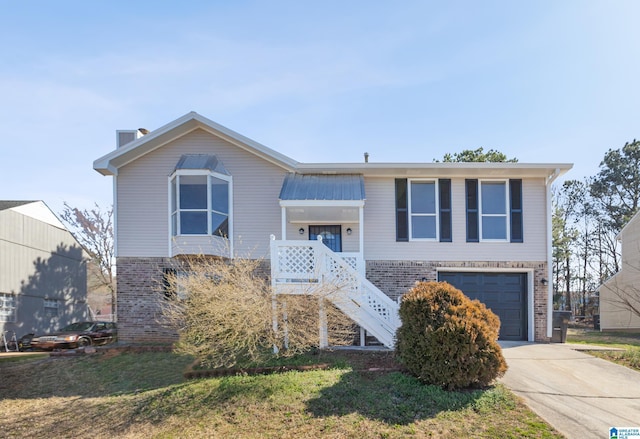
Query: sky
[545, 81]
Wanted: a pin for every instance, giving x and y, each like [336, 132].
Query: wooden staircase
[310, 267]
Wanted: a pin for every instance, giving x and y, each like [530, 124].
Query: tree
[478, 155]
[617, 185]
[94, 231]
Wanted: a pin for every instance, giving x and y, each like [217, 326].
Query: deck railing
[310, 267]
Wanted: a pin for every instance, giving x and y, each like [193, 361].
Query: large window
[494, 210]
[200, 204]
[7, 308]
[422, 209]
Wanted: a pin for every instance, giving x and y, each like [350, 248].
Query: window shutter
[444, 185]
[472, 211]
[515, 202]
[402, 212]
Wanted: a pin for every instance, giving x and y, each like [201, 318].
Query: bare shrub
[223, 311]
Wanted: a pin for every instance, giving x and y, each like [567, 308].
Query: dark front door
[504, 293]
[331, 236]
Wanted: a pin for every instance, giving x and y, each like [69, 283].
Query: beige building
[620, 294]
[194, 186]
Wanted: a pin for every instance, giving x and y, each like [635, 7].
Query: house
[194, 186]
[43, 277]
[621, 292]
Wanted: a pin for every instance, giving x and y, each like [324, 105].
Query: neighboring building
[193, 186]
[621, 292]
[43, 275]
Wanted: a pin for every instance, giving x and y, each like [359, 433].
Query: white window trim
[48, 304]
[209, 175]
[12, 316]
[481, 215]
[435, 214]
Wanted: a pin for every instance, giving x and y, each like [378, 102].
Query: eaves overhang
[110, 163]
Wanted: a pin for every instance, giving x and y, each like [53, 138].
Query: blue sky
[543, 81]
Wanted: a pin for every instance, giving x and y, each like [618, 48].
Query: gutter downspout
[550, 179]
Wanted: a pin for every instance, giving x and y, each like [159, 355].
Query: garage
[504, 293]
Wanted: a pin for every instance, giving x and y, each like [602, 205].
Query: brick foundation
[397, 277]
[140, 290]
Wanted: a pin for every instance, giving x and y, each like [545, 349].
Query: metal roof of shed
[323, 187]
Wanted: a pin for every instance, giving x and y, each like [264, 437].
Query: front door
[331, 236]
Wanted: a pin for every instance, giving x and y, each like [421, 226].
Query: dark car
[77, 335]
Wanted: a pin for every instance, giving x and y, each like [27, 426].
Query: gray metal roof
[201, 161]
[9, 204]
[323, 187]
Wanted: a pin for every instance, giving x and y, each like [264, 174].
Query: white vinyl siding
[626, 281]
[380, 238]
[143, 211]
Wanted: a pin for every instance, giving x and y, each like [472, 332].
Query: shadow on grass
[394, 398]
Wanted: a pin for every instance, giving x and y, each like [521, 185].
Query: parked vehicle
[77, 335]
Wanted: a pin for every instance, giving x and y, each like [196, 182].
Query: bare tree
[94, 231]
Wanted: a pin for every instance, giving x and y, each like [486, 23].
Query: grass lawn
[145, 395]
[629, 342]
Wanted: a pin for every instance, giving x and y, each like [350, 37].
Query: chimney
[124, 137]
[366, 157]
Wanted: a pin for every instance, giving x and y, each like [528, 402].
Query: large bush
[447, 339]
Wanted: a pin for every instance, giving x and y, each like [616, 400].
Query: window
[7, 308]
[422, 207]
[200, 204]
[423, 210]
[494, 210]
[51, 307]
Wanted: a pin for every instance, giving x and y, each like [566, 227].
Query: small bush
[447, 339]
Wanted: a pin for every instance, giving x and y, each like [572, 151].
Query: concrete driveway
[580, 395]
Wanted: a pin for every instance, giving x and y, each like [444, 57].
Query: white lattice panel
[297, 260]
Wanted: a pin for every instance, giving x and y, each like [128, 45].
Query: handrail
[305, 265]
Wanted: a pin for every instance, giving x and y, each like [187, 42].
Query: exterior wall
[142, 198]
[380, 229]
[626, 284]
[39, 261]
[397, 277]
[140, 296]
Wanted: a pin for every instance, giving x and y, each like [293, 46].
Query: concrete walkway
[580, 395]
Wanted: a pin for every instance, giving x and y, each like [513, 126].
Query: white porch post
[283, 217]
[324, 334]
[361, 230]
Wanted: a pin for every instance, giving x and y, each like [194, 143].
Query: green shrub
[447, 339]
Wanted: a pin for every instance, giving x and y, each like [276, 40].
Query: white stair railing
[310, 267]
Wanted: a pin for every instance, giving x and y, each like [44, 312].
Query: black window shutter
[444, 185]
[515, 201]
[472, 210]
[402, 211]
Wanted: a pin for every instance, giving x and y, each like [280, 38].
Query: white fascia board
[321, 203]
[437, 169]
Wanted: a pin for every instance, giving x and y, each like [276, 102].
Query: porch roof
[316, 187]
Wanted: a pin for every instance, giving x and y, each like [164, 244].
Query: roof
[110, 163]
[322, 187]
[36, 209]
[201, 161]
[10, 204]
